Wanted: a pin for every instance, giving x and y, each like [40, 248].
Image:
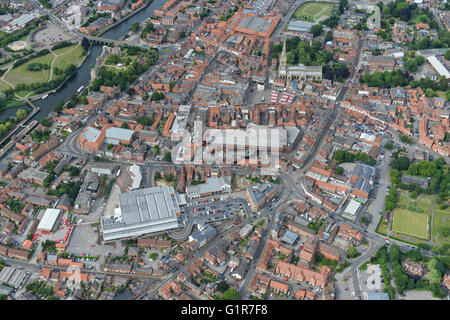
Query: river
[82, 77]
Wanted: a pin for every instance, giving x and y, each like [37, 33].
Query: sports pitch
[410, 223]
[313, 10]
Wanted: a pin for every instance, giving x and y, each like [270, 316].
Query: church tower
[282, 65]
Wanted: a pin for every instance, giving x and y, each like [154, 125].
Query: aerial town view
[225, 150]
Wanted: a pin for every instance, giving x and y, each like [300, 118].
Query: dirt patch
[241, 183]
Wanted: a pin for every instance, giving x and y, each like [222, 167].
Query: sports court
[410, 223]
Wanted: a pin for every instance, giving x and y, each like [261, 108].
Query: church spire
[283, 58]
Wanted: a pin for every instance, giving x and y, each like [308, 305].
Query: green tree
[406, 139]
[135, 27]
[339, 170]
[169, 177]
[401, 163]
[290, 57]
[389, 206]
[365, 220]
[156, 96]
[447, 54]
[316, 30]
[231, 294]
[420, 60]
[21, 114]
[167, 157]
[154, 256]
[411, 65]
[155, 150]
[435, 277]
[352, 252]
[145, 120]
[74, 171]
[46, 122]
[415, 255]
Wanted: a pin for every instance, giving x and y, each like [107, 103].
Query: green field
[66, 59]
[440, 94]
[4, 86]
[441, 218]
[421, 204]
[65, 49]
[403, 200]
[410, 223]
[22, 75]
[383, 228]
[311, 11]
[418, 18]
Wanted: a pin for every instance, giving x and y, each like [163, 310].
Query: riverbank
[55, 67]
[39, 96]
[107, 28]
[15, 104]
[82, 76]
[34, 111]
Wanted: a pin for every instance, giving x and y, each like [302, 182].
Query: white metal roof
[49, 219]
[438, 66]
[137, 177]
[352, 207]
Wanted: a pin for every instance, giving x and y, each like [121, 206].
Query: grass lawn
[22, 93]
[422, 203]
[4, 86]
[65, 49]
[65, 60]
[410, 223]
[24, 38]
[403, 200]
[441, 94]
[417, 18]
[22, 75]
[313, 10]
[382, 228]
[440, 218]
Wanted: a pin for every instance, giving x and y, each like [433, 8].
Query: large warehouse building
[48, 220]
[143, 211]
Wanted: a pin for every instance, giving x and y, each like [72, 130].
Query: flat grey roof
[143, 211]
[259, 191]
[91, 134]
[119, 133]
[290, 237]
[212, 184]
[148, 204]
[33, 173]
[364, 171]
[260, 24]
